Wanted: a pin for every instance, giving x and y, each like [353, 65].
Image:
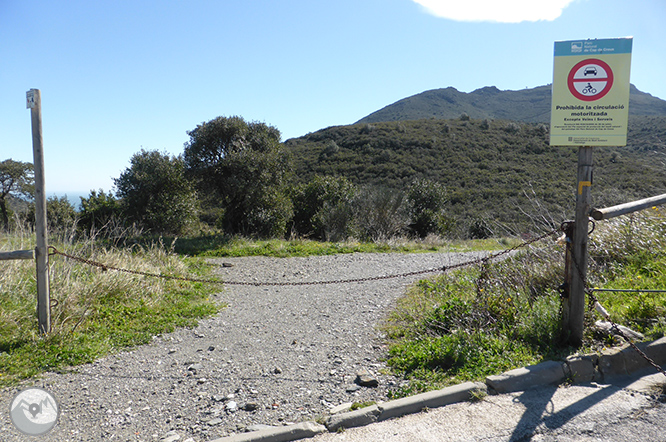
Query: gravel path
[274, 356]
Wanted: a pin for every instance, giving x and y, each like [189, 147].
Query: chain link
[594, 304]
[105, 267]
[483, 261]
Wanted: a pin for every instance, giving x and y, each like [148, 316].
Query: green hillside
[500, 171]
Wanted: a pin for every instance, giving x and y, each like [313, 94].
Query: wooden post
[34, 103]
[575, 304]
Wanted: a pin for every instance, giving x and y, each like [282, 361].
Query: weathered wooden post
[34, 103]
[575, 303]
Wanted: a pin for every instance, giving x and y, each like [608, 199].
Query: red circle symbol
[590, 79]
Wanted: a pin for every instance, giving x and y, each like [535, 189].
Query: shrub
[98, 210]
[155, 194]
[427, 200]
[323, 208]
[381, 213]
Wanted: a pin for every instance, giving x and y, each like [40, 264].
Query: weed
[466, 325]
[359, 405]
[95, 312]
[477, 395]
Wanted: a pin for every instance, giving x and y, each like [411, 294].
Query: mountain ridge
[530, 105]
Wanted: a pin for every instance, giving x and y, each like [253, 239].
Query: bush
[427, 200]
[381, 214]
[155, 194]
[98, 210]
[323, 208]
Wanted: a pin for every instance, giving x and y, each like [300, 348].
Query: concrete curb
[521, 379]
[278, 434]
[579, 369]
[351, 419]
[430, 399]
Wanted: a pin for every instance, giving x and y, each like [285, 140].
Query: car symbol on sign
[590, 70]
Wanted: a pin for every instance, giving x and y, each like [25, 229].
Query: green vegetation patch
[94, 312]
[466, 325]
[224, 246]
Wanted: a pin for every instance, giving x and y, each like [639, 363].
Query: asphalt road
[623, 410]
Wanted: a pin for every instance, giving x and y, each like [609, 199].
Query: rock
[216, 421]
[277, 370]
[250, 406]
[352, 388]
[219, 398]
[342, 408]
[629, 333]
[171, 436]
[365, 379]
[195, 367]
[231, 407]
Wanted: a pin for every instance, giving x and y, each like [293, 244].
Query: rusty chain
[482, 260]
[595, 305]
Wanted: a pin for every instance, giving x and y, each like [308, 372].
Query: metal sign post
[34, 103]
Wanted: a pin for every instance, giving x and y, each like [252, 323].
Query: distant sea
[74, 198]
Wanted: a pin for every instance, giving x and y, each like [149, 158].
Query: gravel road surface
[274, 356]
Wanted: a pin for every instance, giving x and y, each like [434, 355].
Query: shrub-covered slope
[500, 171]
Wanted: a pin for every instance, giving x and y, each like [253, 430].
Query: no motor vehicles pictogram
[590, 79]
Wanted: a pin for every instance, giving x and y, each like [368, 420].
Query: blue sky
[118, 76]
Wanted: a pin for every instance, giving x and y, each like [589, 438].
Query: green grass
[96, 312]
[224, 246]
[100, 312]
[466, 325]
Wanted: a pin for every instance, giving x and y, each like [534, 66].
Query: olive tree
[17, 179]
[243, 169]
[155, 194]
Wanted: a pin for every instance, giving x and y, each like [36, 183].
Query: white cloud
[502, 11]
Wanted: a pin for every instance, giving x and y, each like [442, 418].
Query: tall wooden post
[575, 304]
[34, 103]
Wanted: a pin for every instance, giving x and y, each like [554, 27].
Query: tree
[155, 194]
[242, 168]
[427, 200]
[17, 179]
[98, 210]
[323, 208]
[60, 213]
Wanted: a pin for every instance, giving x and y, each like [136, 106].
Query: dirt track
[275, 355]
